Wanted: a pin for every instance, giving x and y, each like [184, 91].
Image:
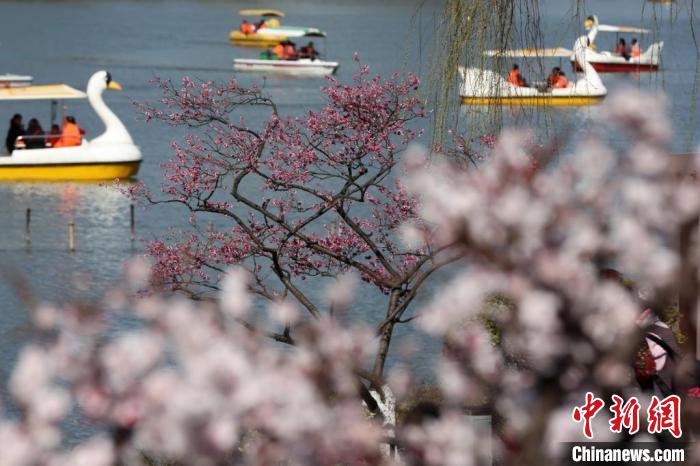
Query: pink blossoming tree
[294, 197]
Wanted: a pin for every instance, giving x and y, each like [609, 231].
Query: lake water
[61, 41]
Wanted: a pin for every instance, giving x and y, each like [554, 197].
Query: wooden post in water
[71, 236]
[210, 234]
[27, 231]
[132, 222]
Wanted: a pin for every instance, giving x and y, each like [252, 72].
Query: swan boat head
[590, 22]
[591, 25]
[115, 132]
[590, 81]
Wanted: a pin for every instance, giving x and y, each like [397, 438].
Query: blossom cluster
[538, 230]
[190, 385]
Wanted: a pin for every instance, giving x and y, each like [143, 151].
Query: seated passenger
[279, 51]
[71, 134]
[16, 130]
[621, 49]
[35, 133]
[562, 82]
[635, 52]
[261, 25]
[515, 78]
[247, 28]
[553, 77]
[54, 135]
[308, 51]
[290, 51]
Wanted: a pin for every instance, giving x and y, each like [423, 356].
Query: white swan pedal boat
[15, 80]
[607, 62]
[111, 155]
[299, 67]
[486, 87]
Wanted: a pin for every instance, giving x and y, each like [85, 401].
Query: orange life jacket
[278, 50]
[561, 83]
[289, 52]
[514, 78]
[636, 51]
[70, 136]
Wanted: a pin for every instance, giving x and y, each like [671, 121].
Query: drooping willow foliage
[465, 29]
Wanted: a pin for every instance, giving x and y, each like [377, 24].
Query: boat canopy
[630, 29]
[550, 52]
[264, 13]
[592, 22]
[48, 92]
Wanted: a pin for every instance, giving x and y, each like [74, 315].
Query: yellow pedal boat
[111, 155]
[486, 87]
[273, 32]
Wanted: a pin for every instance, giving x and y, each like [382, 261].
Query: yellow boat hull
[255, 40]
[539, 101]
[69, 172]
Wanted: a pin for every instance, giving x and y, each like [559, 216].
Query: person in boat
[290, 51]
[561, 82]
[308, 51]
[621, 49]
[35, 133]
[515, 78]
[553, 76]
[16, 130]
[247, 28]
[54, 135]
[261, 25]
[278, 50]
[635, 50]
[71, 135]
